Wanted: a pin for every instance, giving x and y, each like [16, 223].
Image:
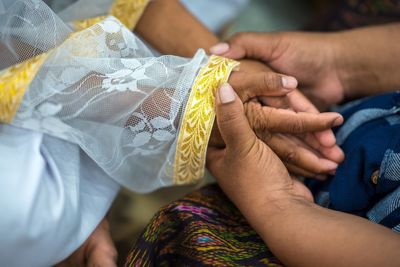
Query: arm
[368, 60]
[301, 233]
[171, 29]
[280, 209]
[330, 67]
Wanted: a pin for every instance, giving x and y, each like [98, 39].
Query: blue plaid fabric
[367, 183]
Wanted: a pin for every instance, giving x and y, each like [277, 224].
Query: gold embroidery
[198, 120]
[13, 83]
[15, 80]
[128, 11]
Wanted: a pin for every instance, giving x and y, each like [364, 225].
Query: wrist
[339, 47]
[278, 212]
[355, 70]
[273, 208]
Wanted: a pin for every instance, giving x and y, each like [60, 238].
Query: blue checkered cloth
[367, 183]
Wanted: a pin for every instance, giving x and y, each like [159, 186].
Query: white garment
[48, 206]
[104, 95]
[215, 14]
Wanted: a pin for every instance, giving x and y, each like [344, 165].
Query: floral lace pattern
[104, 90]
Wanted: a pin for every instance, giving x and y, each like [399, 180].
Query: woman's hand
[280, 209]
[310, 57]
[98, 250]
[247, 156]
[304, 141]
[330, 67]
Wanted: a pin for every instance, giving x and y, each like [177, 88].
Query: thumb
[232, 122]
[261, 46]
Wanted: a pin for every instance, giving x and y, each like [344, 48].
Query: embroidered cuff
[13, 83]
[198, 120]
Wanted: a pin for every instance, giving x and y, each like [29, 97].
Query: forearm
[368, 60]
[170, 28]
[301, 233]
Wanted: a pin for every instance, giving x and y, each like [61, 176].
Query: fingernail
[330, 165]
[219, 49]
[226, 94]
[338, 121]
[333, 172]
[289, 82]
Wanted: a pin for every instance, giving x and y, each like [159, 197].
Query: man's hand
[97, 251]
[310, 57]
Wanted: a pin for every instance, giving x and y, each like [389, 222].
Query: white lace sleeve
[102, 89]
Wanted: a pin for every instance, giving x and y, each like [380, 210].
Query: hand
[312, 154]
[247, 169]
[98, 250]
[310, 57]
[279, 208]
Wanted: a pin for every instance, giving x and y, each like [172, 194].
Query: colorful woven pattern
[202, 229]
[357, 13]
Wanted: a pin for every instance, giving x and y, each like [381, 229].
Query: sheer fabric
[102, 89]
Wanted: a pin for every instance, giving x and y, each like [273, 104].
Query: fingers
[287, 121]
[101, 250]
[232, 122]
[262, 46]
[300, 103]
[334, 153]
[294, 152]
[102, 257]
[249, 85]
[293, 169]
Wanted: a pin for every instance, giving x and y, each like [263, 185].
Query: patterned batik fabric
[202, 229]
[358, 13]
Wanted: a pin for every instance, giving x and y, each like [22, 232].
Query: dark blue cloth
[371, 142]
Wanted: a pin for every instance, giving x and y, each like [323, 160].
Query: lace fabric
[144, 120]
[102, 89]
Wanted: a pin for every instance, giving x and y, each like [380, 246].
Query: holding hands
[286, 120]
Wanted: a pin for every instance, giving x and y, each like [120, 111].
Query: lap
[202, 229]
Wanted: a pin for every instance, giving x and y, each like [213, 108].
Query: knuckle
[296, 127]
[271, 81]
[238, 37]
[290, 156]
[229, 118]
[256, 117]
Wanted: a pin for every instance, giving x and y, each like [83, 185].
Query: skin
[184, 34]
[97, 251]
[280, 208]
[330, 67]
[306, 145]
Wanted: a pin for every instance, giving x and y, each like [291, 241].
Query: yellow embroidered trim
[198, 120]
[15, 80]
[129, 11]
[13, 83]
